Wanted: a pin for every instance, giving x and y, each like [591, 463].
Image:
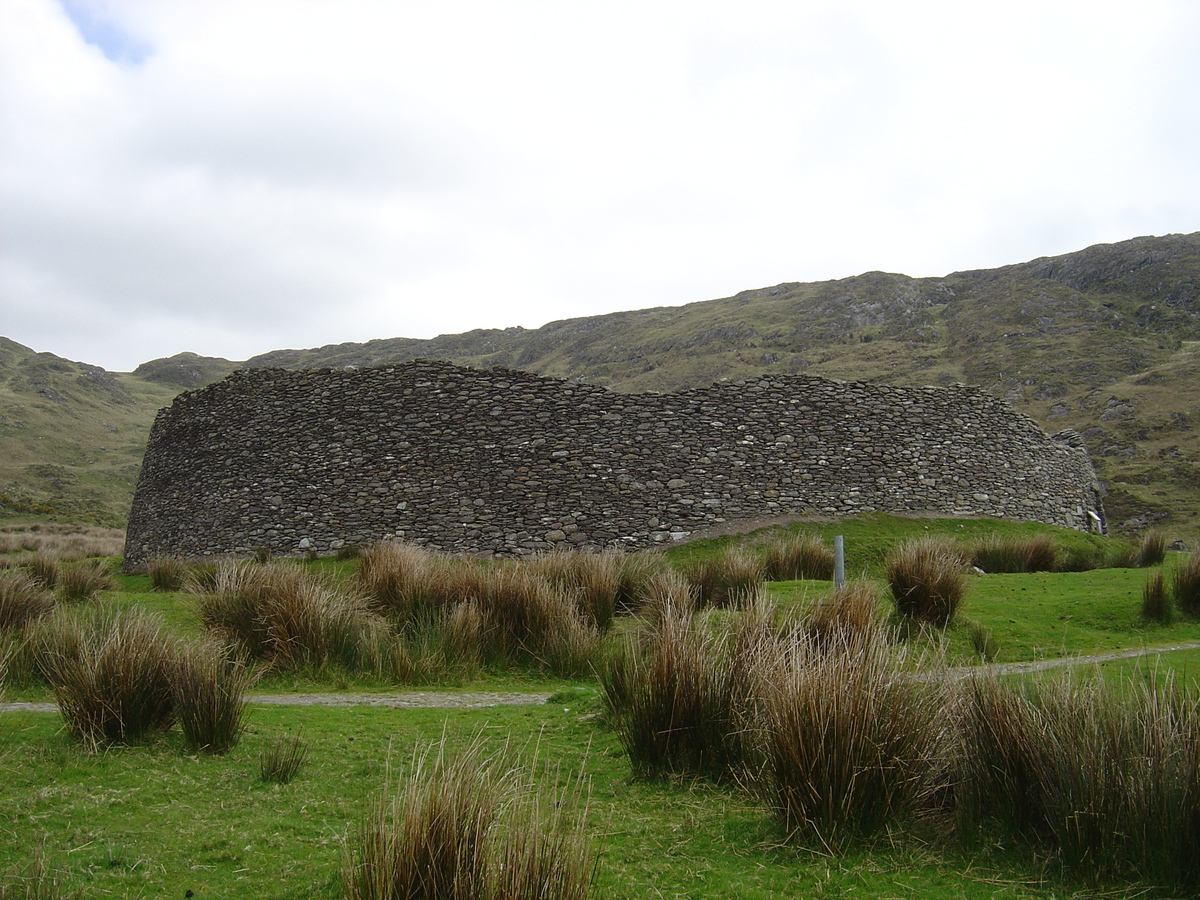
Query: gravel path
[484, 699]
[1041, 665]
[407, 700]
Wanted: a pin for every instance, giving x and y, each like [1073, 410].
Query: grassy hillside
[1105, 341]
[71, 437]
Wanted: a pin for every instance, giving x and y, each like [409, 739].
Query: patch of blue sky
[99, 29]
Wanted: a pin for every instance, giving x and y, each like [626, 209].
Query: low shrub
[111, 672]
[166, 573]
[1185, 585]
[927, 580]
[282, 759]
[22, 601]
[1002, 553]
[84, 580]
[798, 556]
[730, 578]
[209, 693]
[468, 825]
[1156, 600]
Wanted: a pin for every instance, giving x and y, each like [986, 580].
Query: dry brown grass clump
[681, 696]
[166, 573]
[290, 618]
[83, 580]
[457, 614]
[851, 612]
[209, 690]
[798, 556]
[852, 745]
[591, 580]
[111, 671]
[1156, 600]
[44, 569]
[1006, 553]
[927, 578]
[1185, 585]
[22, 601]
[730, 578]
[464, 825]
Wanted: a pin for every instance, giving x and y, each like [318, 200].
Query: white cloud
[232, 177]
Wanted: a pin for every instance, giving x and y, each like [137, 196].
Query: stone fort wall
[505, 462]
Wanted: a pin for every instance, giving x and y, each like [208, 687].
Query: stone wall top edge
[282, 377]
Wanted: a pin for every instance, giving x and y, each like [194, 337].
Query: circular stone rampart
[506, 462]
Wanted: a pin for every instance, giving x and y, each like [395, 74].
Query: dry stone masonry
[505, 462]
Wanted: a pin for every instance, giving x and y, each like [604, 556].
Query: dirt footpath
[407, 700]
[484, 699]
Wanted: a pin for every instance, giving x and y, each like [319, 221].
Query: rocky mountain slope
[1105, 340]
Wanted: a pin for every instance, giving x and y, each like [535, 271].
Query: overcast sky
[236, 176]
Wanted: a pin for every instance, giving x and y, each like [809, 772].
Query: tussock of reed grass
[667, 591]
[853, 611]
[852, 745]
[22, 601]
[166, 573]
[209, 693]
[927, 579]
[1000, 759]
[1122, 556]
[637, 573]
[1157, 603]
[467, 825]
[284, 615]
[282, 759]
[527, 622]
[82, 581]
[730, 578]
[111, 671]
[798, 556]
[1001, 553]
[200, 578]
[1106, 777]
[1122, 786]
[1152, 549]
[45, 570]
[591, 580]
[679, 697]
[1185, 585]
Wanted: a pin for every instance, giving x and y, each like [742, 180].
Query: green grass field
[156, 820]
